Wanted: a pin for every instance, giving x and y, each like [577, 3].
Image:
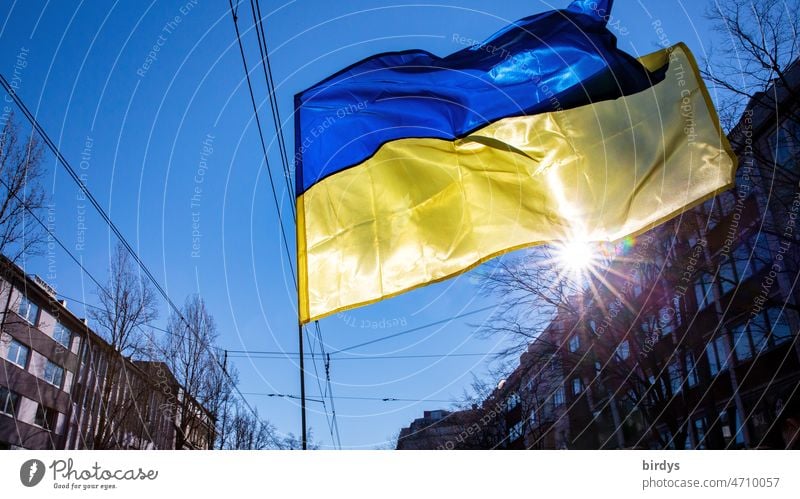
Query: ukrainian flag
[413, 168]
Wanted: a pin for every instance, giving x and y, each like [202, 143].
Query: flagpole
[302, 385]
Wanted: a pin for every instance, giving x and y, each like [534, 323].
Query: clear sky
[169, 146]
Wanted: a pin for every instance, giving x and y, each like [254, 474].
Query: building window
[515, 432]
[675, 378]
[727, 276]
[667, 439]
[765, 331]
[657, 385]
[759, 330]
[741, 261]
[18, 354]
[77, 394]
[731, 427]
[676, 308]
[717, 353]
[86, 353]
[437, 415]
[46, 417]
[702, 290]
[53, 373]
[530, 386]
[738, 427]
[647, 327]
[577, 386]
[751, 256]
[780, 332]
[574, 343]
[742, 346]
[784, 143]
[558, 397]
[28, 310]
[666, 321]
[512, 401]
[62, 335]
[623, 351]
[630, 400]
[9, 401]
[691, 370]
[700, 432]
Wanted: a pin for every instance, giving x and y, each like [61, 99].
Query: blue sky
[149, 133]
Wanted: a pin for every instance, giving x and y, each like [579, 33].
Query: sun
[576, 255]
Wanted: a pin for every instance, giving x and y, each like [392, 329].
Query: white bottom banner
[355, 474]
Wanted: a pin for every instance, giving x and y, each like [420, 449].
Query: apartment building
[687, 338]
[63, 387]
[438, 429]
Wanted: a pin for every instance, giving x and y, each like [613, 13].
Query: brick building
[440, 429]
[687, 337]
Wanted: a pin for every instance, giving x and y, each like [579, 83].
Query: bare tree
[190, 353]
[222, 403]
[127, 308]
[21, 197]
[21, 194]
[250, 432]
[480, 388]
[758, 42]
[755, 71]
[390, 443]
[617, 308]
[531, 289]
[127, 305]
[293, 442]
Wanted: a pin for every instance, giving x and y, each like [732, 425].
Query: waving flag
[413, 168]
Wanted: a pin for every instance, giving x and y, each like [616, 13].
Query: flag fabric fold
[546, 62]
[412, 169]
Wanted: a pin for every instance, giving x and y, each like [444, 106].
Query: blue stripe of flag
[550, 61]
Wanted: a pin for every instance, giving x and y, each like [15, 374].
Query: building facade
[63, 387]
[687, 336]
[441, 430]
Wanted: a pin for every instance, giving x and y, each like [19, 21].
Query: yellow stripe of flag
[423, 210]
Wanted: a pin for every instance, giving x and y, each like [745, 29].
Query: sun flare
[576, 255]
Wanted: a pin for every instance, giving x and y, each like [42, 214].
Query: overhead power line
[71, 171]
[279, 355]
[83, 269]
[414, 329]
[373, 341]
[256, 10]
[263, 143]
[120, 237]
[326, 358]
[319, 387]
[95, 307]
[377, 399]
[273, 100]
